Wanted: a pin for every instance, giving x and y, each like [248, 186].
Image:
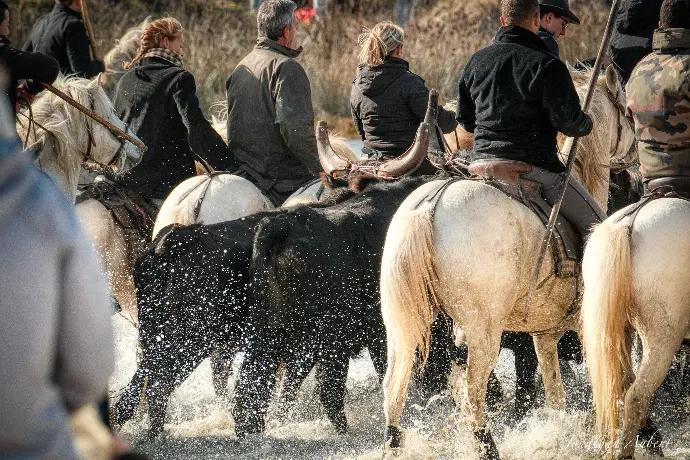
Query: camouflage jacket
[658, 98]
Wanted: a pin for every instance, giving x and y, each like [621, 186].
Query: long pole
[571, 153]
[117, 132]
[89, 30]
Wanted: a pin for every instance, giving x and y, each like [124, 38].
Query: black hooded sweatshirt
[388, 103]
[515, 95]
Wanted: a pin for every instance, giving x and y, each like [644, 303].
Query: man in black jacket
[270, 115]
[632, 36]
[20, 65]
[62, 34]
[515, 96]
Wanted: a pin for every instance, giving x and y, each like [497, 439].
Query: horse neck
[64, 173]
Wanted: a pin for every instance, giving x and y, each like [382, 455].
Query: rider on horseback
[658, 95]
[515, 96]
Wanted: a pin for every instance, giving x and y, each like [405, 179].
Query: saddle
[132, 211]
[506, 176]
[660, 187]
[677, 186]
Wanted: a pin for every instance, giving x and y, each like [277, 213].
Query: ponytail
[379, 41]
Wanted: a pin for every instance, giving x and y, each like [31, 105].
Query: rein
[91, 141]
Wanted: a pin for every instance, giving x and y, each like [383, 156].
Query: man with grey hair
[270, 116]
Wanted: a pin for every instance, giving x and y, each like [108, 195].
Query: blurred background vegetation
[438, 40]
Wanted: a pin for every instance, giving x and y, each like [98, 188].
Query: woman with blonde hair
[388, 101]
[157, 99]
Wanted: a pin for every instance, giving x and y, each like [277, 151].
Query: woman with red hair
[157, 99]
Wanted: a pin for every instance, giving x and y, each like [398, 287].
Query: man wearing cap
[554, 17]
[515, 96]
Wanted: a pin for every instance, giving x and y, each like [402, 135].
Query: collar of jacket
[59, 7]
[4, 40]
[268, 44]
[166, 55]
[541, 29]
[520, 36]
[388, 61]
[671, 39]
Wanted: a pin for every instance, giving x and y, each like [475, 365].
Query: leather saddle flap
[678, 185]
[504, 170]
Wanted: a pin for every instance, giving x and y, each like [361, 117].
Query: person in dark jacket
[554, 17]
[270, 115]
[515, 95]
[62, 35]
[157, 98]
[20, 65]
[388, 102]
[631, 39]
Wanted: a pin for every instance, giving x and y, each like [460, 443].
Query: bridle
[90, 142]
[619, 125]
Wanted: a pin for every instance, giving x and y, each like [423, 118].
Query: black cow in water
[315, 276]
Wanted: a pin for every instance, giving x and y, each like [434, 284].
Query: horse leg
[483, 349]
[657, 355]
[332, 375]
[546, 346]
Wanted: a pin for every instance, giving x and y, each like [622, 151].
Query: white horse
[635, 281]
[214, 198]
[472, 256]
[64, 138]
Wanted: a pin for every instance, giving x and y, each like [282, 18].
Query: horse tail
[408, 299]
[606, 310]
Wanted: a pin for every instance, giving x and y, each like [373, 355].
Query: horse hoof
[487, 447]
[394, 437]
[649, 437]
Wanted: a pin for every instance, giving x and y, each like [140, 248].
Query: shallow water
[198, 424]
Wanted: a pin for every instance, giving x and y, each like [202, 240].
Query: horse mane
[219, 119]
[125, 50]
[66, 125]
[587, 165]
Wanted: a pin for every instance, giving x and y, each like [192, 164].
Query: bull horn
[330, 161]
[430, 118]
[409, 161]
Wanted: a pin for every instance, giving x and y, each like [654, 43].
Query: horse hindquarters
[657, 303]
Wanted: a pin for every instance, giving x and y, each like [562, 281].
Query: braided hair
[153, 36]
[379, 41]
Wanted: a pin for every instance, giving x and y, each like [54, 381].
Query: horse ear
[613, 82]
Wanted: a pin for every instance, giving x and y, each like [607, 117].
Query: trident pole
[117, 132]
[570, 153]
[89, 30]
